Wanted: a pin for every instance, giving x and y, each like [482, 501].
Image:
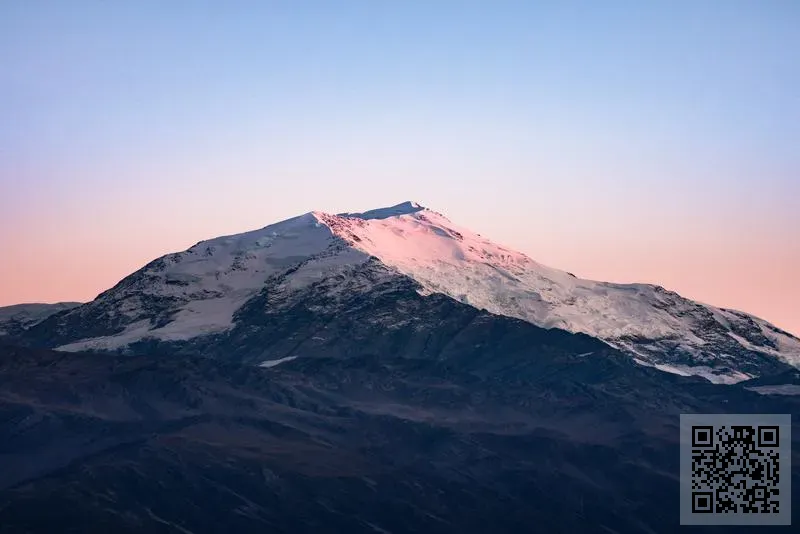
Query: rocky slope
[461, 421]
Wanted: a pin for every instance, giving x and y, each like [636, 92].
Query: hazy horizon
[649, 143]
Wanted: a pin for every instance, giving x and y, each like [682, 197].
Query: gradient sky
[625, 141]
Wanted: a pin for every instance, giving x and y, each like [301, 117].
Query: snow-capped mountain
[202, 291]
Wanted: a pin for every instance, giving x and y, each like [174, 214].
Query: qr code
[735, 469]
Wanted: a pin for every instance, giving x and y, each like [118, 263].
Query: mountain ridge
[198, 292]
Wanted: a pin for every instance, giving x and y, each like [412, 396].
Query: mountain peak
[404, 208]
[201, 291]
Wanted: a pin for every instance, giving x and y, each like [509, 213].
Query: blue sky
[579, 132]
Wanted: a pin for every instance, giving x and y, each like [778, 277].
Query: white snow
[710, 374]
[453, 260]
[273, 363]
[134, 332]
[450, 259]
[782, 389]
[215, 278]
[715, 376]
[788, 348]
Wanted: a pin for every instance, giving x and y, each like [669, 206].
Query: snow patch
[273, 363]
[712, 375]
[134, 332]
[782, 389]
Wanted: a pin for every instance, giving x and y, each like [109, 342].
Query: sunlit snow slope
[659, 327]
[197, 292]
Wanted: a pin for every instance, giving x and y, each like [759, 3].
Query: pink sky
[625, 143]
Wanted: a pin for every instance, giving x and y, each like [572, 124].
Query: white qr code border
[704, 496]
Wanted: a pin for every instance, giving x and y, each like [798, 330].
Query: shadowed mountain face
[401, 414]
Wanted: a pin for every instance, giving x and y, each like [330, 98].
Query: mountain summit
[205, 291]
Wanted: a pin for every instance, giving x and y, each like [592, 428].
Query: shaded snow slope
[198, 291]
